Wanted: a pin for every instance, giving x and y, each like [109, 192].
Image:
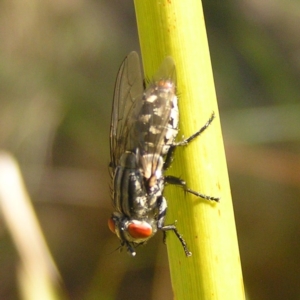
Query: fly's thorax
[130, 195]
[129, 160]
[134, 194]
[132, 230]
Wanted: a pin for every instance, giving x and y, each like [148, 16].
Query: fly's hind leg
[193, 136]
[169, 156]
[168, 160]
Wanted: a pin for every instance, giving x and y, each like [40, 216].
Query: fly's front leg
[177, 181]
[162, 210]
[179, 236]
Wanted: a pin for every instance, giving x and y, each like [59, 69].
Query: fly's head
[131, 232]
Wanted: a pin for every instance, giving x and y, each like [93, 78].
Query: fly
[144, 125]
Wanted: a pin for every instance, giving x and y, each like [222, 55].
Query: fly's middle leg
[168, 160]
[177, 181]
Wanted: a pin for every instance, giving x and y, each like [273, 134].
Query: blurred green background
[58, 64]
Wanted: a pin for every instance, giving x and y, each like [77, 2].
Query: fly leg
[177, 181]
[179, 236]
[169, 156]
[162, 210]
[193, 136]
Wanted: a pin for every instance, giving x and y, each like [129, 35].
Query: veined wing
[128, 92]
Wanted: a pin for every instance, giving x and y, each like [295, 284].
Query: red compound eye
[111, 225]
[139, 230]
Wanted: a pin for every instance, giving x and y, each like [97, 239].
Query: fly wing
[166, 70]
[128, 92]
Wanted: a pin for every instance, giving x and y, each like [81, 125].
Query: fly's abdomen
[156, 124]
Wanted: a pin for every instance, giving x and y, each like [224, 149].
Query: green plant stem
[177, 28]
